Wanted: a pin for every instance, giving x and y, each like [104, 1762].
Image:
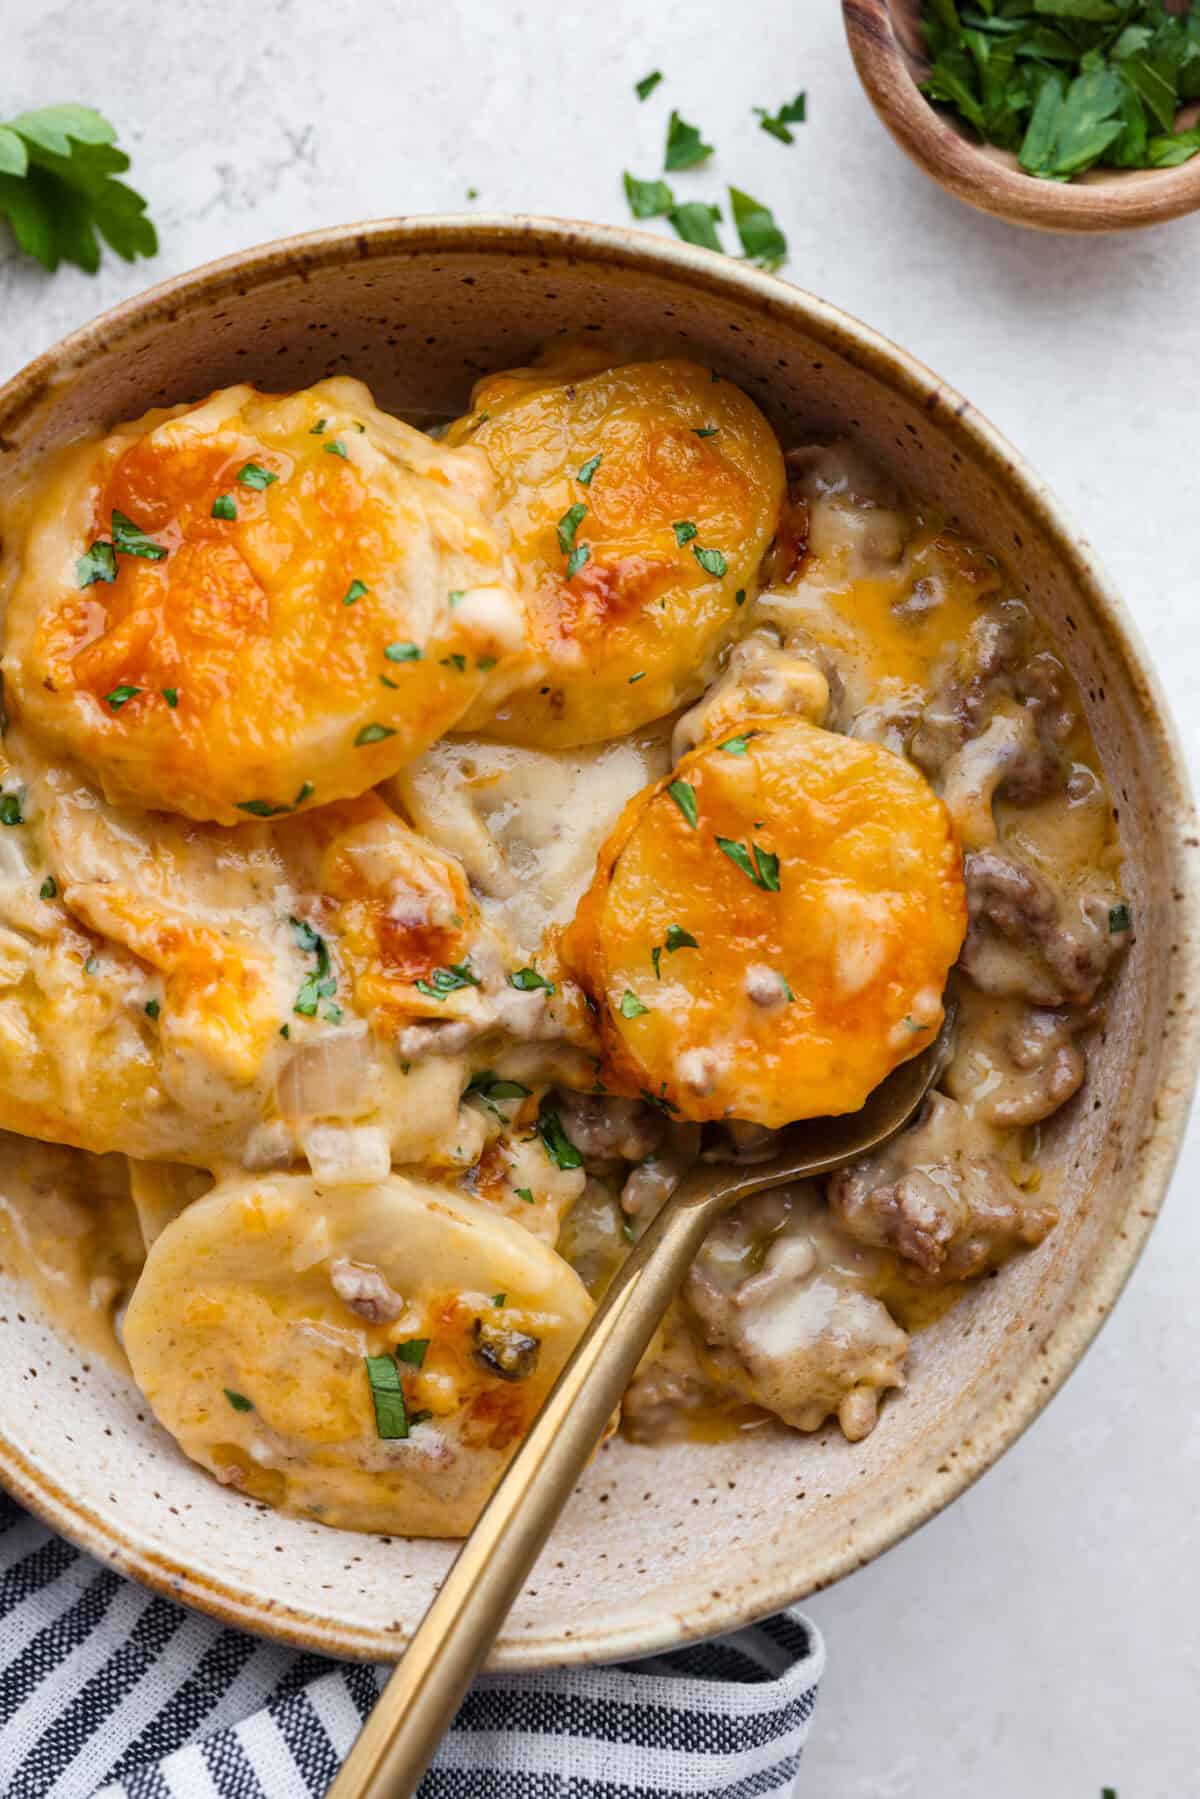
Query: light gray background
[1042, 1638]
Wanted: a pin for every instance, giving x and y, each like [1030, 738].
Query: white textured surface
[1041, 1638]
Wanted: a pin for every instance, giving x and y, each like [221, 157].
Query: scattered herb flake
[696, 221]
[527, 980]
[92, 965]
[335, 447]
[1119, 918]
[457, 661]
[387, 1395]
[238, 1401]
[640, 676]
[171, 695]
[763, 870]
[575, 561]
[646, 86]
[152, 1008]
[224, 506]
[795, 112]
[99, 564]
[443, 981]
[355, 591]
[706, 430]
[373, 734]
[588, 469]
[261, 808]
[499, 1299]
[130, 540]
[684, 795]
[684, 531]
[558, 1146]
[631, 1006]
[525, 1193]
[686, 148]
[49, 888]
[402, 652]
[739, 598]
[253, 474]
[569, 524]
[736, 746]
[413, 1351]
[711, 561]
[678, 938]
[306, 792]
[10, 809]
[318, 430]
[761, 239]
[120, 696]
[647, 199]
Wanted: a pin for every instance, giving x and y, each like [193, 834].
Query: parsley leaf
[527, 980]
[575, 561]
[238, 1401]
[794, 113]
[130, 540]
[588, 469]
[402, 652]
[119, 695]
[355, 591]
[372, 734]
[763, 870]
[647, 199]
[711, 561]
[525, 1193]
[99, 564]
[678, 938]
[252, 474]
[569, 524]
[695, 222]
[646, 86]
[10, 809]
[413, 1351]
[684, 531]
[58, 188]
[49, 889]
[686, 148]
[684, 795]
[631, 1006]
[387, 1396]
[224, 506]
[443, 981]
[558, 1146]
[761, 239]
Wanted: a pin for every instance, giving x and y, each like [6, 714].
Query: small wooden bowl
[889, 54]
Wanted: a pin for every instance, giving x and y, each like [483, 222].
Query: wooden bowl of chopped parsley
[1062, 115]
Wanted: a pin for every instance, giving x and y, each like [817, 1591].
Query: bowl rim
[988, 179]
[639, 252]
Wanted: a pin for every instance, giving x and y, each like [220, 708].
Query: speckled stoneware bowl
[658, 1546]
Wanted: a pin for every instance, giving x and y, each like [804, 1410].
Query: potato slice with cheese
[370, 1357]
[640, 500]
[256, 604]
[770, 928]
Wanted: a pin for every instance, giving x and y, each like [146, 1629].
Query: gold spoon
[415, 1710]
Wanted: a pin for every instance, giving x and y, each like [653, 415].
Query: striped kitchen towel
[108, 1690]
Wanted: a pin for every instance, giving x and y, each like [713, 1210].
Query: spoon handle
[453, 1638]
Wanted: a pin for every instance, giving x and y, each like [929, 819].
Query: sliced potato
[251, 1328]
[640, 500]
[257, 604]
[770, 928]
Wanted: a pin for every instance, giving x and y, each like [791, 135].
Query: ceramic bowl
[658, 1546]
[889, 54]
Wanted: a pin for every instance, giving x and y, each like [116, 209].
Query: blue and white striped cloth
[108, 1691]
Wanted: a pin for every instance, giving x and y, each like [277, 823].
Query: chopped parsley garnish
[588, 469]
[575, 561]
[120, 696]
[684, 531]
[763, 870]
[1119, 918]
[99, 564]
[92, 965]
[10, 809]
[130, 540]
[224, 506]
[171, 695]
[631, 1006]
[372, 734]
[569, 524]
[491, 1088]
[761, 239]
[736, 746]
[739, 598]
[558, 1146]
[684, 795]
[795, 112]
[525, 1193]
[320, 983]
[285, 1030]
[58, 188]
[253, 474]
[640, 676]
[686, 149]
[484, 663]
[238, 1401]
[647, 199]
[306, 791]
[696, 221]
[646, 86]
[456, 595]
[49, 888]
[711, 561]
[448, 980]
[457, 660]
[384, 681]
[788, 995]
[413, 1351]
[402, 652]
[1067, 84]
[152, 1008]
[335, 447]
[499, 1299]
[318, 430]
[705, 430]
[355, 591]
[387, 1395]
[678, 938]
[261, 808]
[528, 980]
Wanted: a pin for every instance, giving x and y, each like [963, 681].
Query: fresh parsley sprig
[58, 189]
